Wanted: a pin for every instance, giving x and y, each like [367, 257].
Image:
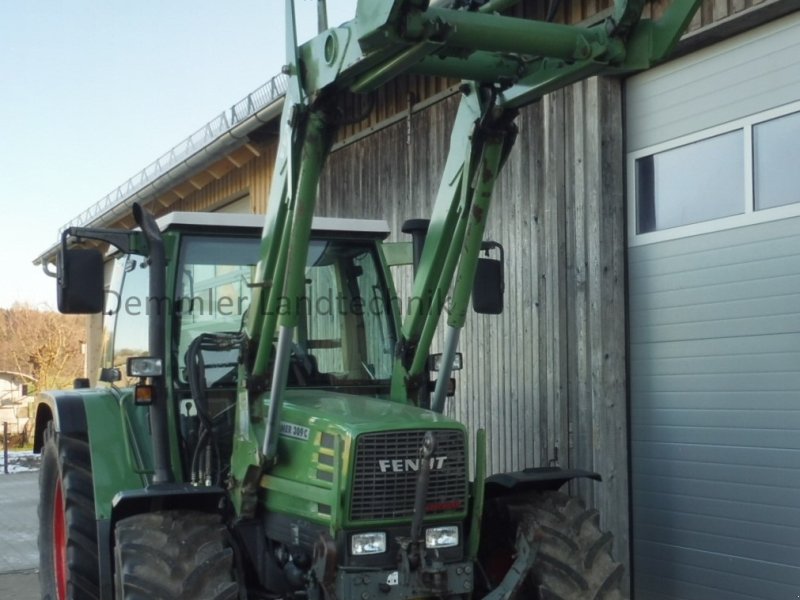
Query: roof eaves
[206, 145]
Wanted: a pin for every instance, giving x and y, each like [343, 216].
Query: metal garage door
[714, 272]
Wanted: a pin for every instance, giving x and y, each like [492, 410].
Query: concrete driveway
[19, 557]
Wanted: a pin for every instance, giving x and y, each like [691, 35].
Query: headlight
[145, 366]
[441, 537]
[368, 543]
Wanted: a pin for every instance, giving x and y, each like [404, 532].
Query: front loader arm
[642, 43]
[507, 63]
[306, 132]
[481, 140]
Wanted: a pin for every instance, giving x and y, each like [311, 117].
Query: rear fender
[539, 479]
[64, 409]
[117, 438]
[96, 415]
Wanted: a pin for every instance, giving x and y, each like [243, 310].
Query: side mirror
[489, 285]
[110, 375]
[80, 281]
[418, 230]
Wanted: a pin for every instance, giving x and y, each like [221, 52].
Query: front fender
[532, 480]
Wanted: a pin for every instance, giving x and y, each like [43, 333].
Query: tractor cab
[344, 343]
[347, 331]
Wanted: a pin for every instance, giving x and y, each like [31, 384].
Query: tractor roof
[375, 228]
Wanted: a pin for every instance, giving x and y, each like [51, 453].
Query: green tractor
[267, 425]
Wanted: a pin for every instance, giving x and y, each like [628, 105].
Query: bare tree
[42, 343]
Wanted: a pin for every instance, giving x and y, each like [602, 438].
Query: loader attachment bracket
[526, 548]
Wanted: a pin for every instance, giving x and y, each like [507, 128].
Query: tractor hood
[351, 414]
[337, 452]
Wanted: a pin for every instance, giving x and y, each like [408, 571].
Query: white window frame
[750, 216]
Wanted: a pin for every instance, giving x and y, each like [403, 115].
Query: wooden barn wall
[546, 379]
[253, 178]
[576, 11]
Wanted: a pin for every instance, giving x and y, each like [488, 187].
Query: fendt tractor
[274, 431]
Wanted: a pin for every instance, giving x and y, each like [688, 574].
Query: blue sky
[91, 91]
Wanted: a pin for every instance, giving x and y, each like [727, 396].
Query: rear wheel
[68, 565]
[174, 555]
[574, 559]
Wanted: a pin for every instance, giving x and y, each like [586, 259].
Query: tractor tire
[174, 555]
[574, 558]
[68, 564]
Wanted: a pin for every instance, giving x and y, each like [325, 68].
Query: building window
[739, 173]
[776, 162]
[691, 184]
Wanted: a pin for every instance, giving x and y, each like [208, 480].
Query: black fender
[68, 412]
[168, 496]
[65, 409]
[532, 480]
[165, 496]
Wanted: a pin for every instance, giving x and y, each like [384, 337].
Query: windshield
[346, 334]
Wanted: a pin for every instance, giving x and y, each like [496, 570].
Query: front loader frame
[506, 63]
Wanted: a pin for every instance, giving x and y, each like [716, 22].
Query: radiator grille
[386, 474]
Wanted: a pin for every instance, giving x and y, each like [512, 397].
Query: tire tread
[180, 555]
[69, 458]
[574, 557]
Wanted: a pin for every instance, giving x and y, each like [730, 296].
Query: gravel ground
[22, 585]
[19, 499]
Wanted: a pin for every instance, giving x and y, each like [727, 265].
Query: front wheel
[574, 558]
[174, 555]
[68, 565]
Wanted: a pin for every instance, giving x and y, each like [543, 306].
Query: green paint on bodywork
[120, 445]
[300, 482]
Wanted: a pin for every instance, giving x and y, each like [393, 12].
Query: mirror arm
[48, 270]
[120, 239]
[125, 241]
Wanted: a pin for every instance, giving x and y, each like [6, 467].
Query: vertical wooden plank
[738, 6]
[608, 333]
[575, 11]
[592, 391]
[507, 198]
[720, 9]
[696, 22]
[553, 276]
[531, 312]
[579, 418]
